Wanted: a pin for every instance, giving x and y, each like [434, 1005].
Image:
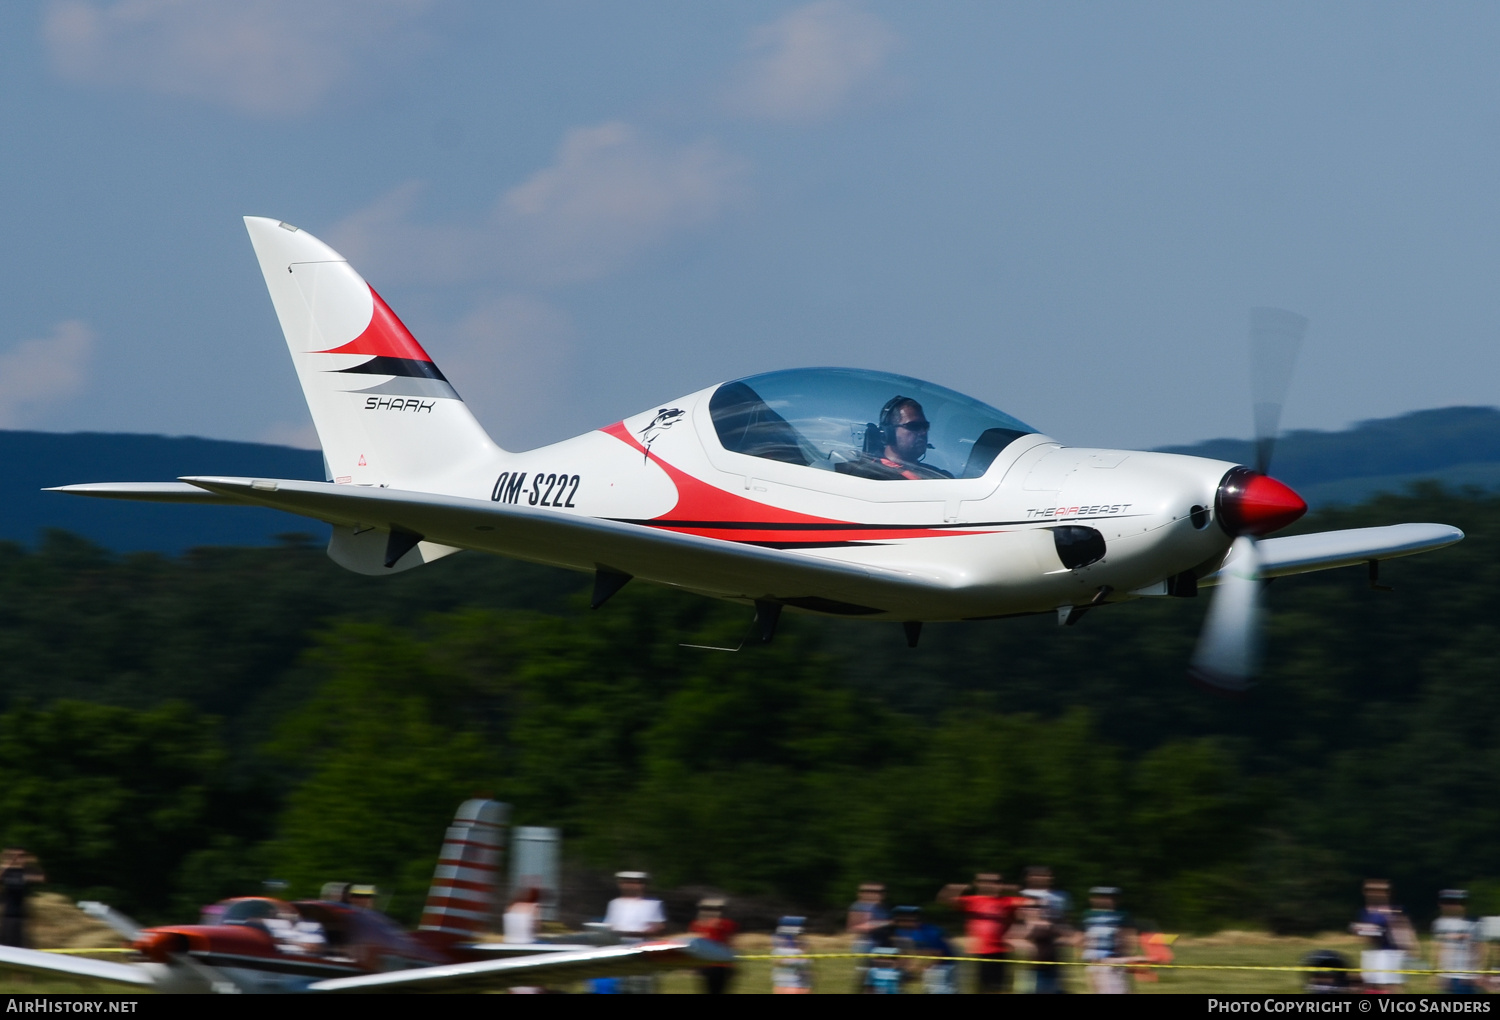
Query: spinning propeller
[1250, 503]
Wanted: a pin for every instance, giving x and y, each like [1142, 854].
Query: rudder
[465, 894]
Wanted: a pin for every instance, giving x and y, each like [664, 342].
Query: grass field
[1226, 949]
[1231, 949]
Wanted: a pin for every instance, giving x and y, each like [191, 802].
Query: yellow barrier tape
[1092, 963]
[1024, 963]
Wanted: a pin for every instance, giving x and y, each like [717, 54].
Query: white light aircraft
[824, 490]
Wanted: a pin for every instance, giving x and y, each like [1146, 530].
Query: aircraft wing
[58, 965]
[1325, 550]
[540, 968]
[559, 539]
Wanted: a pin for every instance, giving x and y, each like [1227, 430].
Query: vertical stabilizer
[465, 894]
[385, 414]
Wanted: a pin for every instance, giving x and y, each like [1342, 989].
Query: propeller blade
[1228, 652]
[1275, 341]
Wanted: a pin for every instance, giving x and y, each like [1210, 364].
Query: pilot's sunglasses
[915, 426]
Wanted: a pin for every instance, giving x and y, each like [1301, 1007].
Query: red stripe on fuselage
[386, 336]
[700, 507]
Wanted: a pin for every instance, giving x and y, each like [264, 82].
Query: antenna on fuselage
[762, 628]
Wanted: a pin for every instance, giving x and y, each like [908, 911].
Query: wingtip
[1437, 535]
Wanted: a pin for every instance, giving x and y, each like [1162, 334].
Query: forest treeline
[178, 729]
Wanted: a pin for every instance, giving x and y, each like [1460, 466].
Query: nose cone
[1250, 503]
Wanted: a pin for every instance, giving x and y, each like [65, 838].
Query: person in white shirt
[631, 916]
[521, 916]
[1456, 944]
[634, 918]
[1055, 904]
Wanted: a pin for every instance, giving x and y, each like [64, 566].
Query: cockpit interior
[862, 423]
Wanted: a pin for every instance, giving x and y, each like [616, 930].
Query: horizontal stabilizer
[148, 492]
[1326, 550]
[574, 965]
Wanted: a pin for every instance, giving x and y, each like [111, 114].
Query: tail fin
[465, 894]
[384, 413]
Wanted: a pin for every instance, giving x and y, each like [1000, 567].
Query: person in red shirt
[989, 913]
[713, 925]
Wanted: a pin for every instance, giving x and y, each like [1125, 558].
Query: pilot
[904, 428]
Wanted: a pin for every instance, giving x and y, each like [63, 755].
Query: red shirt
[989, 917]
[719, 930]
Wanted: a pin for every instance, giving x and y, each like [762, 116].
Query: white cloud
[384, 240]
[609, 195]
[34, 373]
[812, 62]
[263, 57]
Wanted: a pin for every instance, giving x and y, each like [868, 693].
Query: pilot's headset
[888, 418]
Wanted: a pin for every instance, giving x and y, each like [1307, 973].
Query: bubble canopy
[862, 423]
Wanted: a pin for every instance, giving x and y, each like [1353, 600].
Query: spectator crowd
[1022, 938]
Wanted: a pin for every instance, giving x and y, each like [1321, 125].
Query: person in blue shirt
[869, 921]
[917, 938]
[1109, 942]
[1389, 937]
[884, 976]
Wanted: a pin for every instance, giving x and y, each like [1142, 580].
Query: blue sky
[585, 208]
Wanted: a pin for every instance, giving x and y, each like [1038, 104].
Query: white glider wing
[58, 965]
[540, 968]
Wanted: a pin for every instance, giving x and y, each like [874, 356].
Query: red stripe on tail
[386, 336]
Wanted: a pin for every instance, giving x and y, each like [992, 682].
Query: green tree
[383, 774]
[110, 799]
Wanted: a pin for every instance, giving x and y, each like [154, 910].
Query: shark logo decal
[665, 419]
